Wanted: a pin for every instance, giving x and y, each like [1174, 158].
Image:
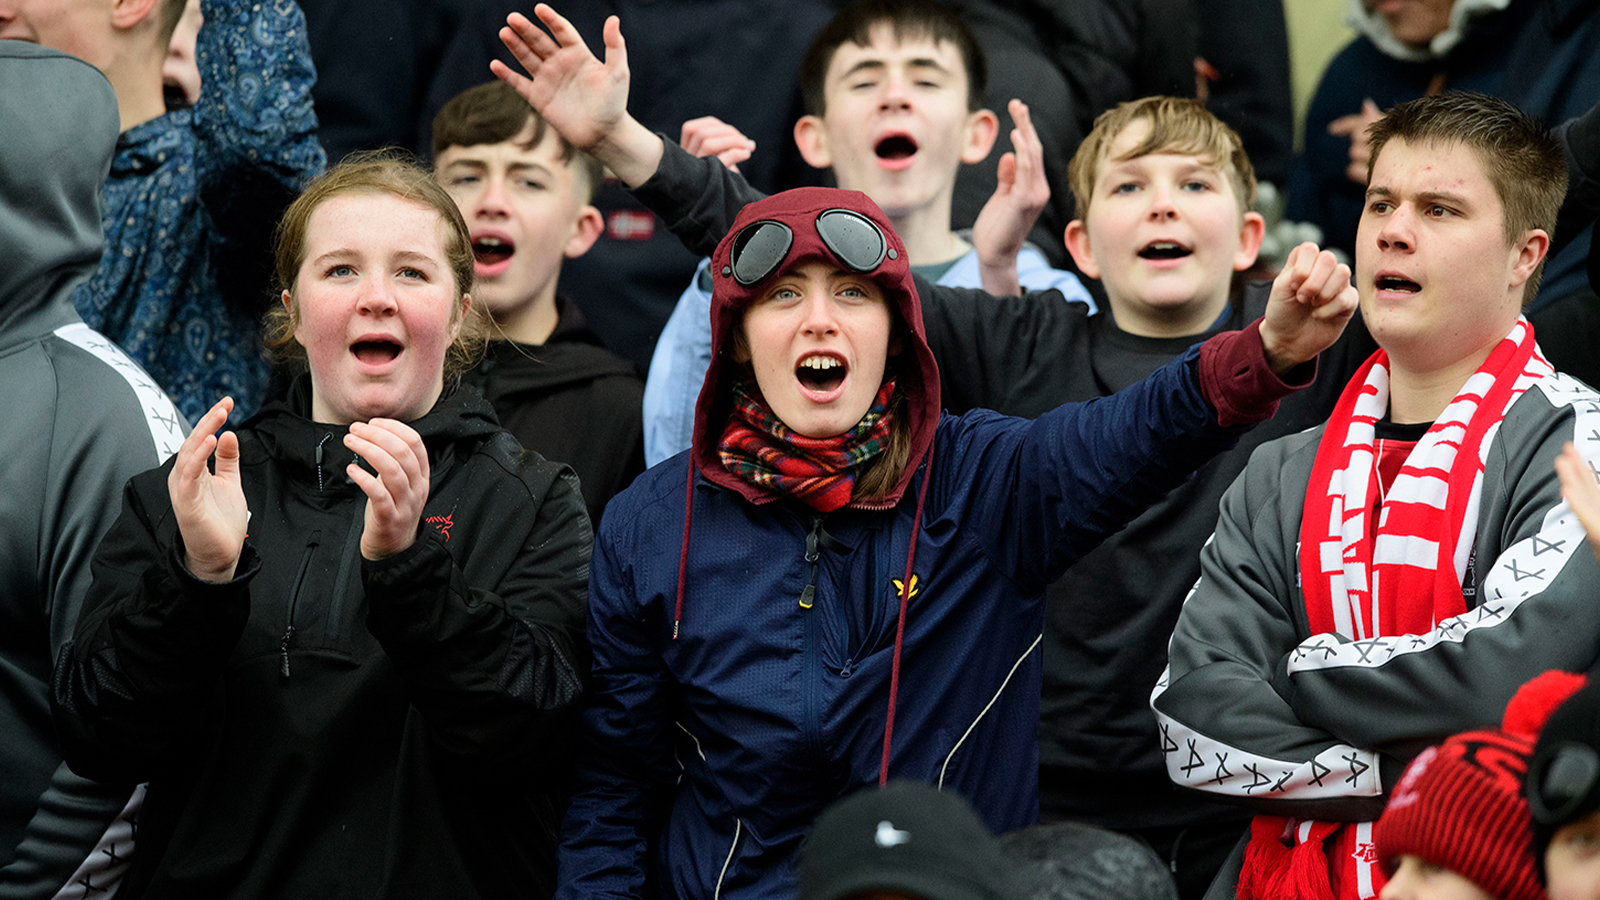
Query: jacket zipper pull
[808, 596]
[283, 647]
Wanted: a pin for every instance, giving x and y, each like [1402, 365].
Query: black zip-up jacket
[322, 726]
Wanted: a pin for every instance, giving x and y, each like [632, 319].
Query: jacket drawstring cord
[325, 439]
[900, 626]
[683, 552]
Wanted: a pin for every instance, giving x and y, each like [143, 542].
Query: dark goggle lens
[758, 250]
[854, 239]
[1562, 778]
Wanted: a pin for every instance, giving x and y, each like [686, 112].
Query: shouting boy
[525, 194]
[1392, 577]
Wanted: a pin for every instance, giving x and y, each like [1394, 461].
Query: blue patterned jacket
[191, 201]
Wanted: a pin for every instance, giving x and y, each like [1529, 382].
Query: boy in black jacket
[525, 194]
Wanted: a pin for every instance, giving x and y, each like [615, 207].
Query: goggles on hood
[1561, 781]
[761, 247]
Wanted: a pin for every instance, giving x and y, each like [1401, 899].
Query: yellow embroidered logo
[900, 589]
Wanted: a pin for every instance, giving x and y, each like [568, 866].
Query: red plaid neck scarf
[819, 472]
[1426, 528]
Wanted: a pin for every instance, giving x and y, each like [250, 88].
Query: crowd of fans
[871, 449]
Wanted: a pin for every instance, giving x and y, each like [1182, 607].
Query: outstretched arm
[1004, 222]
[586, 100]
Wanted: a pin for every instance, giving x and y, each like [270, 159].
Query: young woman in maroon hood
[836, 583]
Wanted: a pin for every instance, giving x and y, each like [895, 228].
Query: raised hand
[1005, 220]
[396, 495]
[1311, 301]
[208, 506]
[1354, 126]
[581, 97]
[710, 136]
[1578, 488]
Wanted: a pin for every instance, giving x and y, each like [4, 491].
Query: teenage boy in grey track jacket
[1342, 623]
[80, 419]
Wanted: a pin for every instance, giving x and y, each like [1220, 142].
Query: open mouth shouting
[492, 252]
[1165, 251]
[1389, 283]
[821, 375]
[375, 353]
[895, 150]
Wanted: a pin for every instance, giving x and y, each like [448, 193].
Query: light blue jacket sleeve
[677, 369]
[1033, 272]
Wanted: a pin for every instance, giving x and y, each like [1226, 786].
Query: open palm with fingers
[209, 506]
[399, 490]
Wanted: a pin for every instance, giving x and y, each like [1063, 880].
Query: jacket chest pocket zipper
[294, 599]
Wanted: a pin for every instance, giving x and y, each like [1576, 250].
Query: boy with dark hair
[892, 92]
[525, 193]
[1392, 577]
[192, 193]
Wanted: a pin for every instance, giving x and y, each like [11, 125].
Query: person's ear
[1527, 253]
[294, 319]
[977, 136]
[125, 14]
[1077, 241]
[461, 317]
[812, 139]
[585, 231]
[1252, 230]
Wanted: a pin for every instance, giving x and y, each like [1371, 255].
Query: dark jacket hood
[572, 355]
[61, 125]
[914, 366]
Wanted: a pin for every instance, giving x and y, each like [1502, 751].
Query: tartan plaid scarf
[819, 472]
[1404, 581]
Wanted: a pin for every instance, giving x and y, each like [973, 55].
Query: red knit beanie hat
[1460, 804]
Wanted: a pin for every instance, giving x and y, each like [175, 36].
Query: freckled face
[378, 308]
[818, 341]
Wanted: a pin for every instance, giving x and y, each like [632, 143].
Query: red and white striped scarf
[1405, 581]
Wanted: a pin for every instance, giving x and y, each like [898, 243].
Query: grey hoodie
[77, 420]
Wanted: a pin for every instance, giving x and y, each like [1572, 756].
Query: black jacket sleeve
[148, 653]
[492, 669]
[698, 198]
